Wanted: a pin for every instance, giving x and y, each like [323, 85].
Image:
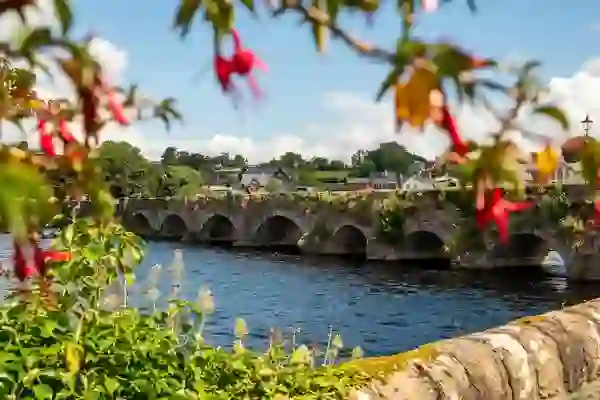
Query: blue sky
[306, 92]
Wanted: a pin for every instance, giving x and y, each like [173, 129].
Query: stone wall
[551, 356]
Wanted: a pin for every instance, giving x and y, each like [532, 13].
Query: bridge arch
[278, 230]
[173, 227]
[217, 228]
[140, 224]
[424, 244]
[348, 240]
[521, 249]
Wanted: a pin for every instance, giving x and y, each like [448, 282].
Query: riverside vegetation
[76, 342]
[57, 338]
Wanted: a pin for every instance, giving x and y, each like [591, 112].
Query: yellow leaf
[546, 162]
[412, 97]
[73, 357]
[320, 32]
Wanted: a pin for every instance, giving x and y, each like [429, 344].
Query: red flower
[242, 62]
[245, 61]
[224, 70]
[115, 108]
[23, 268]
[64, 132]
[497, 209]
[56, 256]
[46, 139]
[449, 124]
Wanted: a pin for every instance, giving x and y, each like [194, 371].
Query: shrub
[66, 343]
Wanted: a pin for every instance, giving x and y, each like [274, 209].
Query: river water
[383, 308]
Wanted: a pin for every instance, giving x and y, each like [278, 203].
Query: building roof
[262, 175]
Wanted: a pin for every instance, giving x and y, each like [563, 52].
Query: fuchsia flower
[25, 267]
[242, 62]
[497, 209]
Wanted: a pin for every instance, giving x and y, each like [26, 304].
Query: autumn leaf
[546, 162]
[73, 357]
[320, 32]
[413, 97]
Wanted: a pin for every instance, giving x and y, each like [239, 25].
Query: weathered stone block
[451, 378]
[569, 348]
[583, 331]
[543, 357]
[483, 367]
[522, 376]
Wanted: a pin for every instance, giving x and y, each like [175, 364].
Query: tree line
[180, 173]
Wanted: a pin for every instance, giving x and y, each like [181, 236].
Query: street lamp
[587, 124]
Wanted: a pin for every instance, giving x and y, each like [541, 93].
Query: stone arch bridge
[326, 228]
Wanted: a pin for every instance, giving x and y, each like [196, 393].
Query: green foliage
[78, 349]
[105, 355]
[392, 218]
[25, 198]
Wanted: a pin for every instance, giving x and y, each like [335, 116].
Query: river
[383, 308]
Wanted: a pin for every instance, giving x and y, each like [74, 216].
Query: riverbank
[543, 357]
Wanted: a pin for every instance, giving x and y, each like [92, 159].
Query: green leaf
[43, 392]
[249, 4]
[300, 355]
[129, 278]
[390, 79]
[337, 341]
[111, 385]
[529, 66]
[62, 10]
[241, 329]
[333, 9]
[92, 395]
[555, 113]
[186, 12]
[35, 39]
[68, 234]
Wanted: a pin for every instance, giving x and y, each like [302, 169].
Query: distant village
[426, 177]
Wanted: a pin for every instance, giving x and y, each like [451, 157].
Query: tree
[170, 156]
[392, 157]
[366, 168]
[291, 160]
[180, 181]
[126, 169]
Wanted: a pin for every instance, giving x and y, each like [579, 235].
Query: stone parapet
[550, 356]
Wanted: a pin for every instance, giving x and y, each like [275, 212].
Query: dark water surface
[383, 308]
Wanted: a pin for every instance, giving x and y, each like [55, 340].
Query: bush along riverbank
[65, 336]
